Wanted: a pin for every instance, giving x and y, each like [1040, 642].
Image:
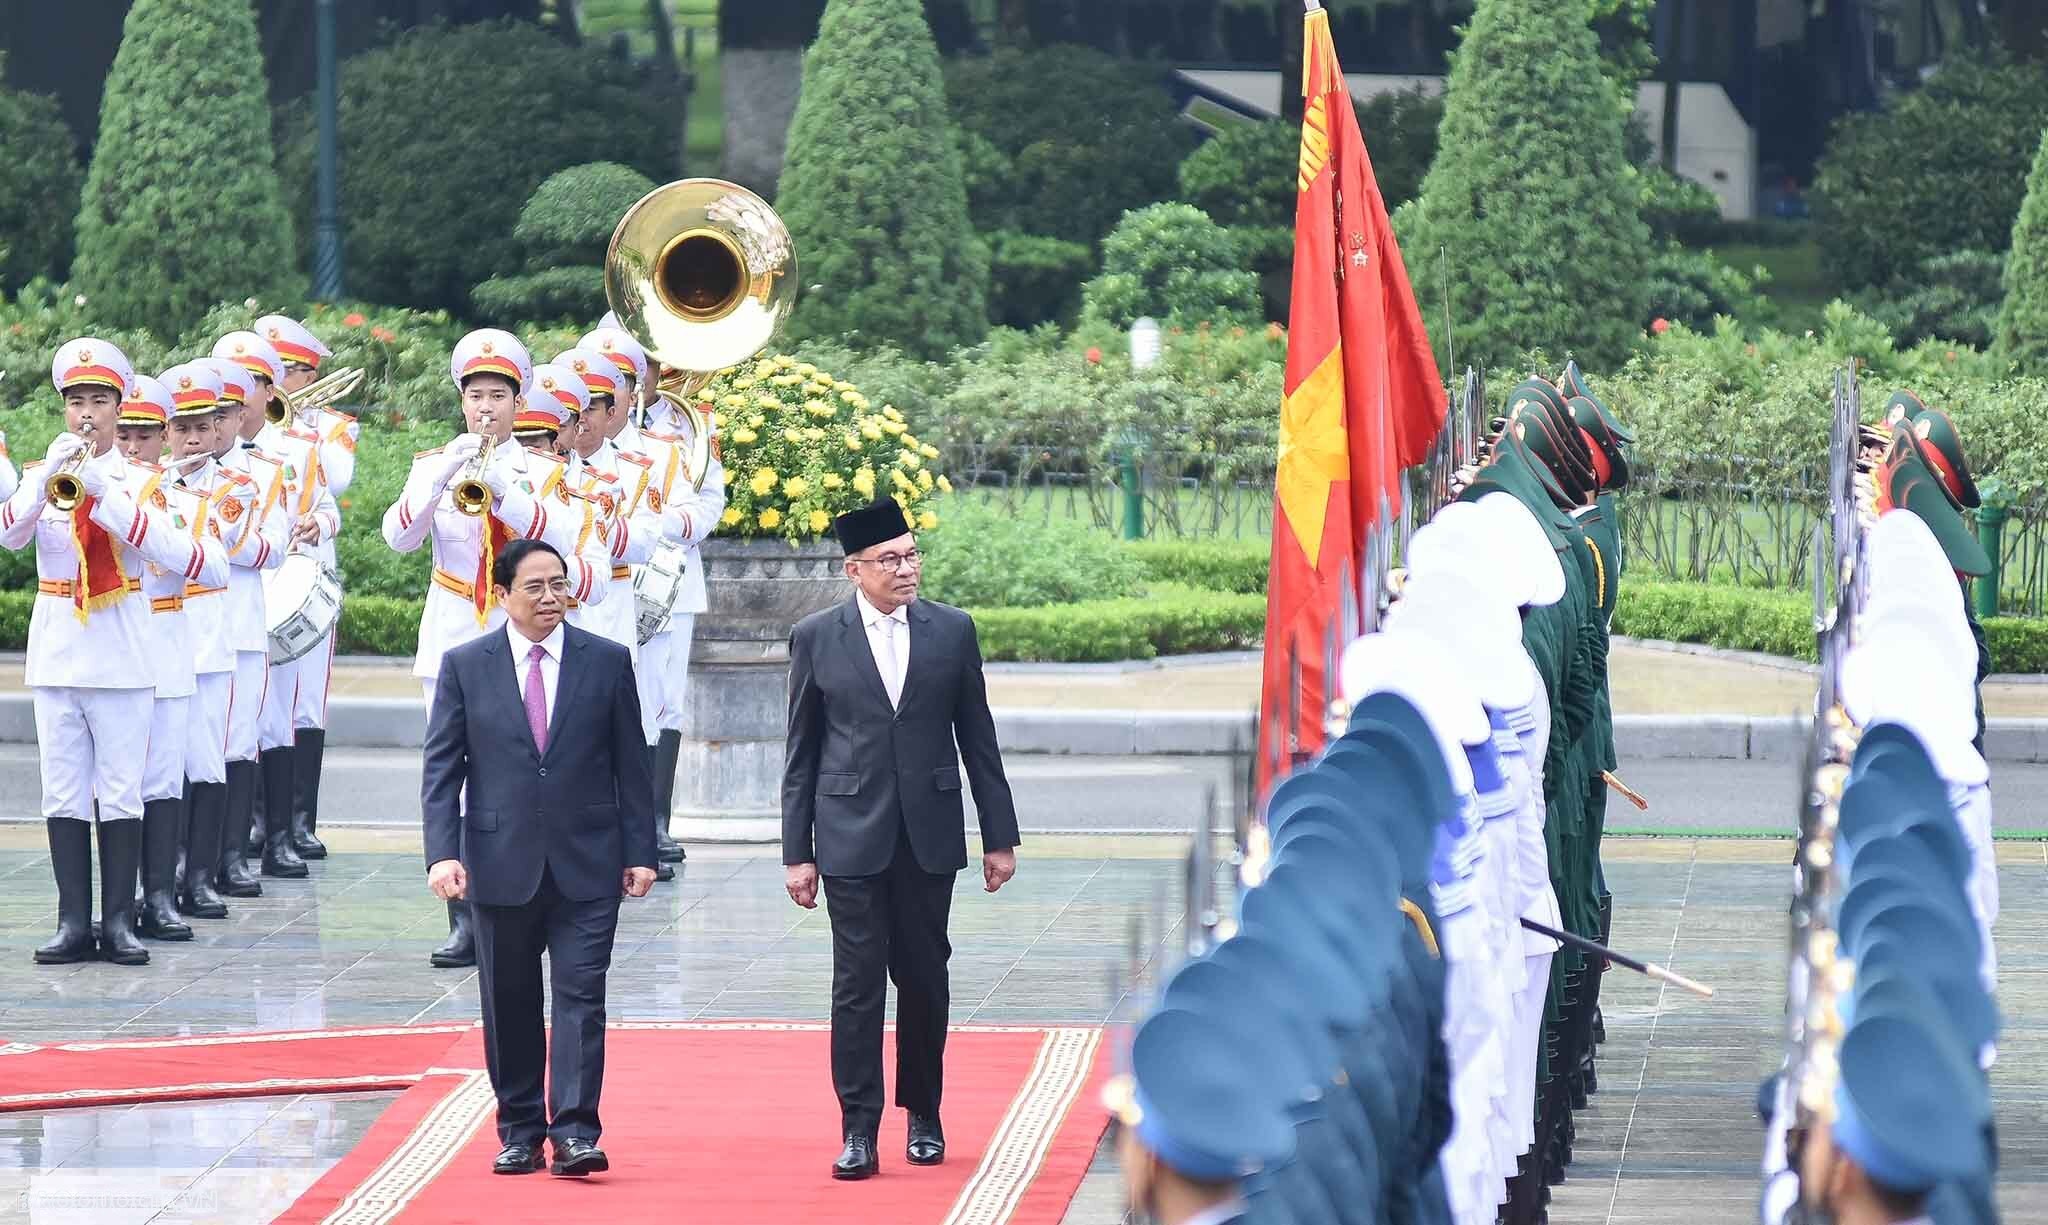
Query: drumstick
[1649, 969]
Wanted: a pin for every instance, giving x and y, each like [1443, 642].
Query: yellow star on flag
[1314, 452]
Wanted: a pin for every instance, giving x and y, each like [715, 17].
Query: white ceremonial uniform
[9, 479]
[630, 530]
[533, 506]
[248, 623]
[231, 501]
[1971, 802]
[89, 666]
[175, 653]
[701, 510]
[300, 685]
[1538, 901]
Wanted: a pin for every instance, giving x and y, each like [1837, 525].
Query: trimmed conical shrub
[39, 192]
[873, 189]
[564, 230]
[1530, 212]
[2023, 319]
[182, 207]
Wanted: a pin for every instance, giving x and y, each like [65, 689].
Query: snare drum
[301, 602]
[654, 590]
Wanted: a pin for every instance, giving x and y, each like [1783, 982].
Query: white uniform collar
[870, 615]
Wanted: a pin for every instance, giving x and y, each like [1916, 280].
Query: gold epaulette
[302, 436]
[634, 457]
[234, 477]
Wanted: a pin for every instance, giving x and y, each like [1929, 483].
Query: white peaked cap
[1897, 678]
[1459, 541]
[1906, 562]
[1417, 669]
[1480, 629]
[1929, 624]
[1521, 543]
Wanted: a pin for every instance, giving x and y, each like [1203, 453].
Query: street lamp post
[327, 279]
[1145, 343]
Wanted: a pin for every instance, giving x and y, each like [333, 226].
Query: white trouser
[650, 677]
[280, 693]
[163, 773]
[206, 728]
[1972, 806]
[1528, 1036]
[316, 673]
[87, 741]
[682, 630]
[245, 704]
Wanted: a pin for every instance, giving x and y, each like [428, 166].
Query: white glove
[93, 475]
[456, 456]
[497, 477]
[62, 449]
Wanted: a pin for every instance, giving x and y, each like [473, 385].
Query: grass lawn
[1800, 287]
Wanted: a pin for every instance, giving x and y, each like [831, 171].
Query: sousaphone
[702, 273]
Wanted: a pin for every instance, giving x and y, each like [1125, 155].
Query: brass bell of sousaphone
[702, 273]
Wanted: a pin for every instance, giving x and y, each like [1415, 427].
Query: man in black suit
[880, 689]
[540, 811]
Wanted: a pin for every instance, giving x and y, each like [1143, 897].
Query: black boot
[120, 860]
[461, 947]
[670, 746]
[231, 876]
[206, 812]
[158, 918]
[252, 846]
[71, 864]
[279, 859]
[308, 749]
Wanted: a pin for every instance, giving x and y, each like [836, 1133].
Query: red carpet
[45, 1076]
[735, 1123]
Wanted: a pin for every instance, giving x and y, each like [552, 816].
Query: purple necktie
[536, 698]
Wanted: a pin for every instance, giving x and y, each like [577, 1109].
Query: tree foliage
[39, 192]
[1170, 261]
[446, 132]
[2023, 319]
[1531, 200]
[873, 189]
[182, 207]
[1941, 169]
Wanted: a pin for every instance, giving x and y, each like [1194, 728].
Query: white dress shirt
[889, 639]
[550, 663]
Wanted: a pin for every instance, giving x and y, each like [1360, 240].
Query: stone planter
[729, 772]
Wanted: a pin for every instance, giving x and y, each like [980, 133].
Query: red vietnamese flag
[1363, 396]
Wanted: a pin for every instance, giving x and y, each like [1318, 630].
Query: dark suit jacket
[856, 770]
[584, 809]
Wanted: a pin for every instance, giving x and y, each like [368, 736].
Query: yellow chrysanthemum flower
[832, 480]
[767, 401]
[899, 480]
[853, 442]
[820, 521]
[870, 431]
[814, 406]
[806, 369]
[813, 434]
[784, 360]
[741, 384]
[945, 486]
[889, 411]
[757, 420]
[770, 519]
[910, 460]
[733, 400]
[924, 480]
[791, 434]
[842, 386]
[795, 487]
[926, 521]
[743, 436]
[864, 482]
[927, 450]
[849, 395]
[731, 516]
[786, 380]
[717, 418]
[764, 368]
[764, 480]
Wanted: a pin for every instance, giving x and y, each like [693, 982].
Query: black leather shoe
[520, 1159]
[857, 1159]
[664, 871]
[927, 1144]
[576, 1158]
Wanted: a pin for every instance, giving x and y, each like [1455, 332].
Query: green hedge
[1166, 620]
[1234, 566]
[1732, 618]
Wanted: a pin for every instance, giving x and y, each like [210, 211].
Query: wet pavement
[1671, 1136]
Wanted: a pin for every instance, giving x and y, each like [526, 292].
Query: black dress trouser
[892, 923]
[518, 1050]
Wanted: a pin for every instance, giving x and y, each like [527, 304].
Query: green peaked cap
[1912, 487]
[1903, 405]
[1574, 383]
[1586, 416]
[1938, 433]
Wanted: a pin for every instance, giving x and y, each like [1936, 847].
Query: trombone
[702, 273]
[327, 389]
[65, 490]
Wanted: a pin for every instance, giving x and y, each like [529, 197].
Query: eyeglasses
[539, 587]
[895, 561]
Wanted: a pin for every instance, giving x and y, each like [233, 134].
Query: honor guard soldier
[337, 433]
[248, 621]
[470, 498]
[90, 516]
[230, 498]
[310, 521]
[694, 514]
[140, 433]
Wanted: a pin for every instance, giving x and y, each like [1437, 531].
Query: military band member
[493, 373]
[310, 522]
[695, 513]
[231, 501]
[248, 624]
[9, 479]
[89, 645]
[337, 431]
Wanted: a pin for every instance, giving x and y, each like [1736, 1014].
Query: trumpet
[327, 389]
[472, 495]
[65, 490]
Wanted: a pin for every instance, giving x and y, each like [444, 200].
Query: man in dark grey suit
[881, 688]
[540, 811]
